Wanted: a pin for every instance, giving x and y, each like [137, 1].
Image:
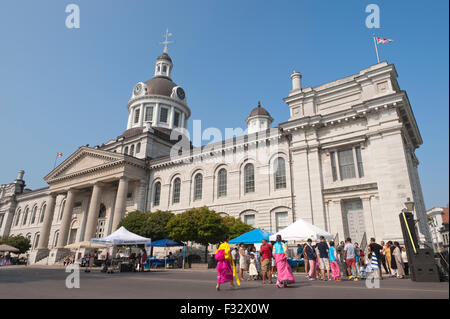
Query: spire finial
[166, 41]
[259, 103]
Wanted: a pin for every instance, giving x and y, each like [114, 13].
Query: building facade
[344, 161]
[437, 220]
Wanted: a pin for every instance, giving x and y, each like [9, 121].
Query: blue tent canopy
[166, 243]
[254, 236]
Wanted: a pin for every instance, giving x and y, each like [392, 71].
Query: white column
[66, 219]
[171, 115]
[121, 199]
[48, 218]
[156, 114]
[92, 217]
[141, 115]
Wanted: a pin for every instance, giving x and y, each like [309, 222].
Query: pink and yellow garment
[284, 271]
[226, 269]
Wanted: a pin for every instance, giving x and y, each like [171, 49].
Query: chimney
[296, 78]
[20, 175]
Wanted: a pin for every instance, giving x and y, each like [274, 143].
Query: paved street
[39, 282]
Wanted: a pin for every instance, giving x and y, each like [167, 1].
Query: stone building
[345, 161]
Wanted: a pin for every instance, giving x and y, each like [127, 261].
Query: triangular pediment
[83, 161]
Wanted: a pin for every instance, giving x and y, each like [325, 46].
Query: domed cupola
[259, 119]
[163, 65]
[159, 102]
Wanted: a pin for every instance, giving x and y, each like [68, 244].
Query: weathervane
[166, 40]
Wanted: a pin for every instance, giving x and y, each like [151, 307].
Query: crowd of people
[322, 261]
[325, 261]
[269, 262]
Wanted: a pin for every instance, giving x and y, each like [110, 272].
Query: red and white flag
[383, 40]
[58, 154]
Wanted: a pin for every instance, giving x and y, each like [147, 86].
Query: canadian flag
[383, 40]
[58, 154]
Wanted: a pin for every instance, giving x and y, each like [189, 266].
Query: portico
[102, 179]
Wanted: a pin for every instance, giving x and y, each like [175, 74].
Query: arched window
[280, 173]
[33, 215]
[18, 217]
[222, 183]
[138, 148]
[157, 194]
[36, 240]
[102, 211]
[55, 238]
[132, 150]
[62, 210]
[25, 217]
[126, 150]
[176, 190]
[198, 185]
[41, 219]
[249, 178]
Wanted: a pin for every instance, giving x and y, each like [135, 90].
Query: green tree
[156, 224]
[200, 225]
[183, 227]
[211, 229]
[135, 223]
[238, 228]
[19, 242]
[235, 226]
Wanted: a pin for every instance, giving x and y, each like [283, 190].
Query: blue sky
[62, 88]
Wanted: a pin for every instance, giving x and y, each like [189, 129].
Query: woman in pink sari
[226, 269]
[284, 271]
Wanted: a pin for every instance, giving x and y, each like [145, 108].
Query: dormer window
[164, 114]
[176, 119]
[136, 116]
[148, 114]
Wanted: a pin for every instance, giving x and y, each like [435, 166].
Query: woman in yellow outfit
[387, 254]
[226, 269]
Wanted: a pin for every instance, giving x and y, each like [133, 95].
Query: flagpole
[376, 48]
[56, 158]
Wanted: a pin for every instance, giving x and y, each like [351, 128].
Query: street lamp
[409, 205]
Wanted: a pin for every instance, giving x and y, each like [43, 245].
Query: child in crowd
[252, 270]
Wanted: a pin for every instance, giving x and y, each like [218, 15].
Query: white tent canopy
[121, 237]
[301, 230]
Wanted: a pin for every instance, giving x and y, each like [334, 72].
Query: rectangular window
[359, 160]
[249, 220]
[136, 115]
[164, 113]
[1, 219]
[148, 114]
[346, 164]
[176, 119]
[281, 220]
[333, 166]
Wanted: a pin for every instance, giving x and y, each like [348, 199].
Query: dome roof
[164, 56]
[257, 111]
[160, 85]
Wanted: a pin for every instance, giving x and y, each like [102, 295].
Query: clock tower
[159, 102]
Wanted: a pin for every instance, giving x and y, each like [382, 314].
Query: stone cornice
[215, 149]
[142, 99]
[115, 159]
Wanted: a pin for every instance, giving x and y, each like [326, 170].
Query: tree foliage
[200, 225]
[135, 222]
[238, 228]
[19, 242]
[156, 225]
